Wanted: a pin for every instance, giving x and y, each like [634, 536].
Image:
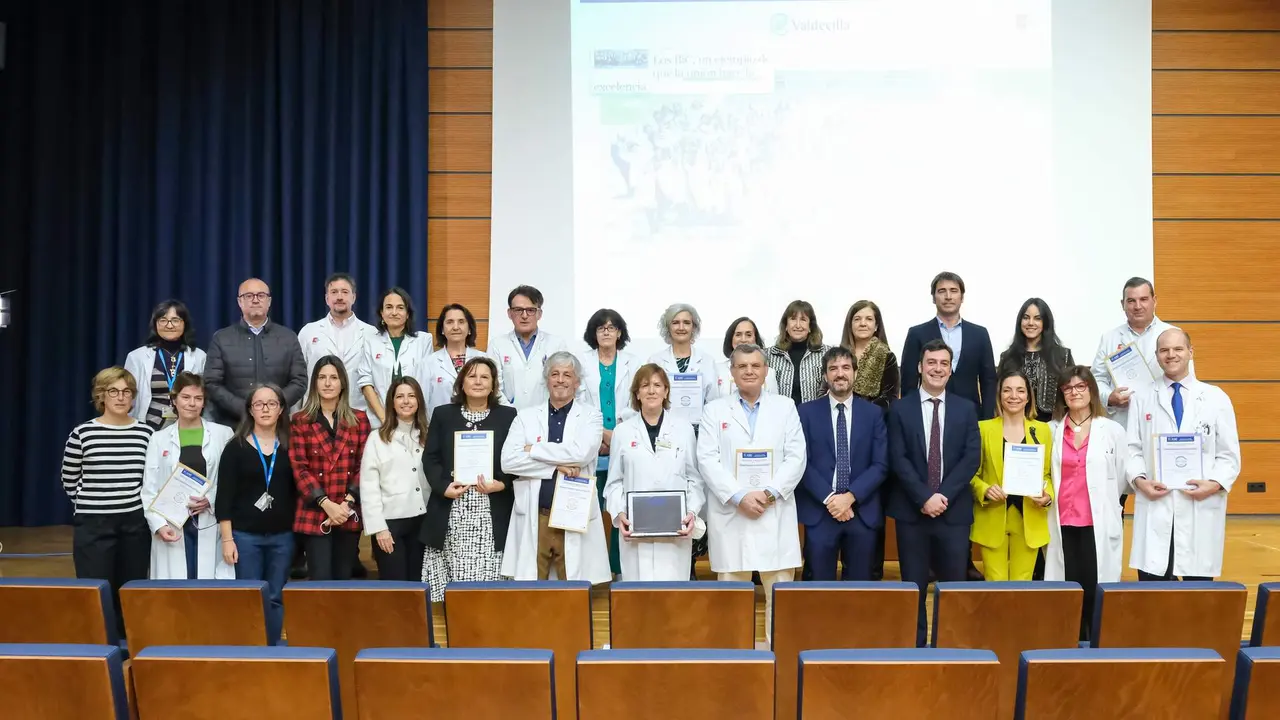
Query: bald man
[251, 353]
[1179, 521]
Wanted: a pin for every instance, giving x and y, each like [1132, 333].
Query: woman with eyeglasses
[103, 464]
[1086, 524]
[186, 547]
[326, 446]
[169, 350]
[257, 499]
[1037, 352]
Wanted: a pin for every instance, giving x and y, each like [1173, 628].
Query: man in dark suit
[934, 453]
[973, 374]
[839, 496]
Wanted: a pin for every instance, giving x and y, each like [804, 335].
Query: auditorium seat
[905, 682]
[1172, 614]
[57, 610]
[281, 683]
[1266, 625]
[687, 684]
[354, 615]
[194, 612]
[61, 681]
[1257, 684]
[547, 615]
[477, 684]
[1142, 683]
[834, 616]
[1007, 618]
[708, 614]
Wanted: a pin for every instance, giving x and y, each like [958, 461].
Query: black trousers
[931, 545]
[404, 562]
[115, 548]
[1080, 565]
[1168, 570]
[330, 557]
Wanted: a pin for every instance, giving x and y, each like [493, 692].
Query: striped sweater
[102, 467]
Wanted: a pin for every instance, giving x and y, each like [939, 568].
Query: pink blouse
[1073, 494]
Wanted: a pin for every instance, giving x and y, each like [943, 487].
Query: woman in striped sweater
[102, 469]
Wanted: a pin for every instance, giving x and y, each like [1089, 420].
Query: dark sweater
[241, 482]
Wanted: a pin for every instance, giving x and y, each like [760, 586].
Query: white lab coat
[725, 384]
[1198, 527]
[521, 378]
[1113, 340]
[320, 338]
[440, 374]
[139, 363]
[737, 543]
[1104, 467]
[701, 362]
[169, 560]
[635, 465]
[626, 365]
[393, 484]
[378, 360]
[585, 554]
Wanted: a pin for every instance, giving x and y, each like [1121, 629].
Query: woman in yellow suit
[1010, 529]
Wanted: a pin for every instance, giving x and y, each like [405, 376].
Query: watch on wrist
[769, 496]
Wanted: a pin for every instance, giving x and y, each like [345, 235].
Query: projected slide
[738, 155]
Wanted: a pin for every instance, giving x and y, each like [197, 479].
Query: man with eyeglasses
[339, 333]
[520, 354]
[254, 351]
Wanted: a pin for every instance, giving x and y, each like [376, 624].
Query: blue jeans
[266, 557]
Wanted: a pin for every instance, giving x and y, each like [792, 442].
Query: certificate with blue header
[754, 468]
[176, 493]
[472, 456]
[1129, 369]
[571, 504]
[1178, 459]
[1023, 470]
[686, 397]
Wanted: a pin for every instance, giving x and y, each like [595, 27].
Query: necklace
[1080, 425]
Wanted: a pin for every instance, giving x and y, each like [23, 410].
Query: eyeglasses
[169, 322]
[606, 329]
[259, 296]
[524, 311]
[119, 392]
[1076, 389]
[266, 405]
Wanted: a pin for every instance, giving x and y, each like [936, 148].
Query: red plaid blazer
[324, 467]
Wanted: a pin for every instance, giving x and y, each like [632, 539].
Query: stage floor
[1252, 557]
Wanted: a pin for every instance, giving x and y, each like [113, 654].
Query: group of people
[362, 421]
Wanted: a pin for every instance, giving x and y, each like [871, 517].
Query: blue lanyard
[170, 377]
[267, 471]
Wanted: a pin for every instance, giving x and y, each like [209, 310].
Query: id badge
[264, 502]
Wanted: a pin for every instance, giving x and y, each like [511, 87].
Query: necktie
[1177, 404]
[842, 450]
[935, 448]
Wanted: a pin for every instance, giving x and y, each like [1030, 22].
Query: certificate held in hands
[1023, 470]
[1129, 370]
[656, 513]
[472, 456]
[1179, 460]
[571, 504]
[686, 397]
[171, 502]
[754, 468]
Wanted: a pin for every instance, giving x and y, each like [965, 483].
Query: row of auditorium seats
[1005, 618]
[88, 682]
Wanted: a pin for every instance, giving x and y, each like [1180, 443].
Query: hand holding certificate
[472, 456]
[571, 504]
[1178, 460]
[175, 495]
[686, 397]
[754, 468]
[1129, 369]
[1023, 470]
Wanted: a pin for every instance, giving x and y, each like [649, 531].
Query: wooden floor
[1252, 556]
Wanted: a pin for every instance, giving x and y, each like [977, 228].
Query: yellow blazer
[989, 517]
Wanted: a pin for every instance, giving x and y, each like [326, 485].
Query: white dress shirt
[848, 420]
[926, 409]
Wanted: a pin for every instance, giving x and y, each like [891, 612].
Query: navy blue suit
[940, 543]
[973, 378]
[827, 540]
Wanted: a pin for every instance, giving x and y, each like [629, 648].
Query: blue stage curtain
[172, 148]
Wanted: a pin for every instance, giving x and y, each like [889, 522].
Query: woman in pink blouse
[1086, 529]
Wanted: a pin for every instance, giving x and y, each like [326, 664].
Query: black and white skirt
[468, 552]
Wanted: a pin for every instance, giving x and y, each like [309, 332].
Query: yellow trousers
[1013, 559]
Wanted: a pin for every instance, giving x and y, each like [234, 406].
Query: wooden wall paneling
[460, 91]
[1215, 50]
[1215, 270]
[460, 14]
[1260, 462]
[459, 143]
[459, 267]
[459, 48]
[1218, 197]
[1234, 351]
[458, 195]
[1255, 405]
[1215, 92]
[1215, 15]
[1215, 144]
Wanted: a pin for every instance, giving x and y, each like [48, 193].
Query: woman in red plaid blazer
[326, 444]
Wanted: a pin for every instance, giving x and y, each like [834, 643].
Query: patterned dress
[468, 552]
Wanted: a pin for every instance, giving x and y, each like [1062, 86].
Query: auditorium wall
[1215, 158]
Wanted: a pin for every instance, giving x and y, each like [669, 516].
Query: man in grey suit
[252, 352]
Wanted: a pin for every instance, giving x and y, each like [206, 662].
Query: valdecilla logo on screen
[781, 24]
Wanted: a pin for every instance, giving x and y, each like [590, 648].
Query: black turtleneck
[170, 346]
